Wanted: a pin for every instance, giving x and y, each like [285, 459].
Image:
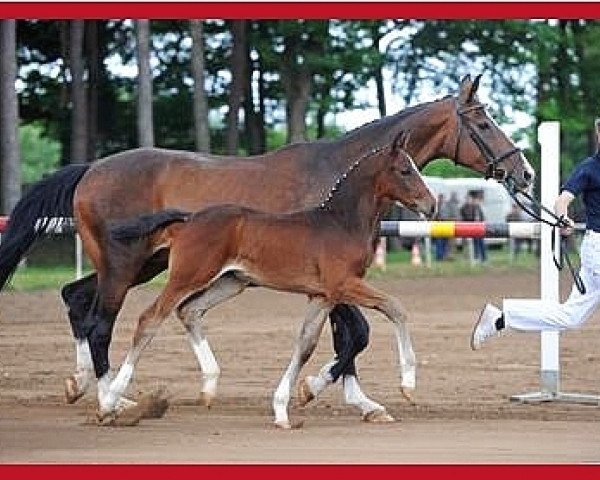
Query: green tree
[39, 154]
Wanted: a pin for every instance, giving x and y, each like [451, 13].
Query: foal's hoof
[206, 399]
[126, 418]
[152, 405]
[378, 416]
[287, 425]
[304, 393]
[407, 393]
[72, 392]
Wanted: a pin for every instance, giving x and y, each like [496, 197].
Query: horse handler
[538, 315]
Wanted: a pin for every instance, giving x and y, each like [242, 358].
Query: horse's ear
[474, 88]
[466, 92]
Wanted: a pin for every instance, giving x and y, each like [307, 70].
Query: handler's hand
[568, 230]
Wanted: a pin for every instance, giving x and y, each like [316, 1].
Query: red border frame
[309, 10]
[301, 472]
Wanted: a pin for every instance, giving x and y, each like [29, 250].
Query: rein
[557, 222]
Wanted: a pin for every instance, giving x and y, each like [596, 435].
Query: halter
[491, 159]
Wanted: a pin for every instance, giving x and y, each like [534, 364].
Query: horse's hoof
[206, 399]
[407, 393]
[378, 416]
[152, 405]
[286, 425]
[305, 395]
[283, 424]
[72, 392]
[126, 418]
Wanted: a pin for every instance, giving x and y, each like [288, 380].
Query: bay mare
[292, 178]
[322, 252]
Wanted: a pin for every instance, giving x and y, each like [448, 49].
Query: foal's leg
[350, 332]
[110, 392]
[191, 315]
[359, 292]
[305, 345]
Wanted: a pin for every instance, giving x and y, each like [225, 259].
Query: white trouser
[538, 315]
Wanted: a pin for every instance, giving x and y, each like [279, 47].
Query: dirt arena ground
[463, 413]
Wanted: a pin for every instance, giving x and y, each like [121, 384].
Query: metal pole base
[540, 397]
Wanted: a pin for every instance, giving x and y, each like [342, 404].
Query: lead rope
[559, 222]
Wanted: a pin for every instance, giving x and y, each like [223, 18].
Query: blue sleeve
[578, 180]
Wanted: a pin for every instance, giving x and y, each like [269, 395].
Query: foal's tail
[145, 225]
[46, 203]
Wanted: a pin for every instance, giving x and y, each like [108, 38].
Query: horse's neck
[317, 165]
[423, 128]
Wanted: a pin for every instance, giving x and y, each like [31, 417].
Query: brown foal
[322, 252]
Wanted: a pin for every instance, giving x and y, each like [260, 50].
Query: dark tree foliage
[546, 69]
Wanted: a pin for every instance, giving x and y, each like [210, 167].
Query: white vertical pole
[428, 253]
[549, 139]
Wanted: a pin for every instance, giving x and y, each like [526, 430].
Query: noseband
[491, 159]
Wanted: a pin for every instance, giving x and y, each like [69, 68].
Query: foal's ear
[399, 140]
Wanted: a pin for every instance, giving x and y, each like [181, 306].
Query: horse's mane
[344, 176]
[405, 112]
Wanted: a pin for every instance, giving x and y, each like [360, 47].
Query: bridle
[507, 181]
[492, 160]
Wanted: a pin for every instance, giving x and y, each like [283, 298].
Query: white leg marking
[206, 359]
[191, 315]
[354, 396]
[104, 402]
[408, 362]
[110, 392]
[85, 366]
[318, 383]
[281, 397]
[406, 355]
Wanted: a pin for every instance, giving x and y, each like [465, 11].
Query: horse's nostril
[527, 175]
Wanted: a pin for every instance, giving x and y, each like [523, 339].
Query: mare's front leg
[358, 291]
[305, 345]
[191, 315]
[109, 290]
[79, 297]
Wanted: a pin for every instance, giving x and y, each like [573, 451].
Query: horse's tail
[35, 214]
[145, 225]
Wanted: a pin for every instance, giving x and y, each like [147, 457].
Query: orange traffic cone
[380, 252]
[416, 255]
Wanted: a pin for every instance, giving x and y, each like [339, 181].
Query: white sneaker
[485, 326]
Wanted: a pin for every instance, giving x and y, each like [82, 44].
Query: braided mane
[345, 175]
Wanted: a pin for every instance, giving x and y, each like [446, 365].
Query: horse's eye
[406, 171]
[484, 125]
